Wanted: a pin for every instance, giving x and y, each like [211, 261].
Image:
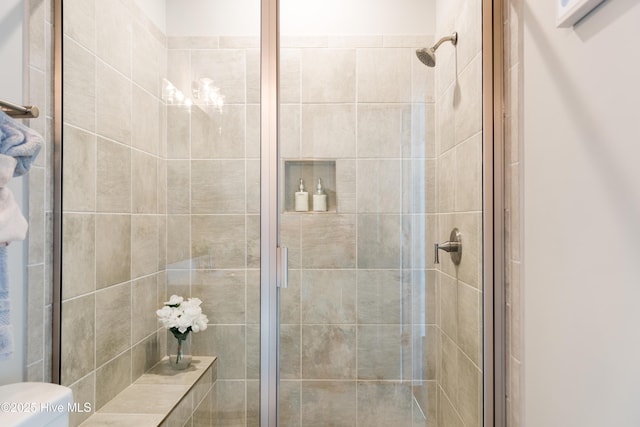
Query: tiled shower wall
[114, 199]
[458, 88]
[357, 315]
[40, 249]
[512, 71]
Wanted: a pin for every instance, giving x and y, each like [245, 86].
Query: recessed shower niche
[310, 171]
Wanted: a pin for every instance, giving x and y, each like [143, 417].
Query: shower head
[427, 55]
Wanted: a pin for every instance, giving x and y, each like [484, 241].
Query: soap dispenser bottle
[301, 199]
[319, 199]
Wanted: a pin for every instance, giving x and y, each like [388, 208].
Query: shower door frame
[494, 392]
[493, 207]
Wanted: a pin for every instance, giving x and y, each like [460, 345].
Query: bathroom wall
[512, 193]
[12, 82]
[358, 276]
[114, 201]
[458, 89]
[40, 248]
[581, 203]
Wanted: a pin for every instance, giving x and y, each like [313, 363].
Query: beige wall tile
[231, 400]
[468, 175]
[384, 130]
[380, 186]
[290, 300]
[328, 296]
[79, 170]
[384, 352]
[289, 407]
[328, 241]
[79, 22]
[144, 177]
[468, 101]
[37, 230]
[384, 296]
[226, 67]
[78, 254]
[384, 404]
[113, 309]
[253, 241]
[228, 343]
[290, 131]
[423, 130]
[77, 338]
[448, 372]
[383, 241]
[144, 303]
[253, 297]
[217, 186]
[178, 187]
[469, 316]
[113, 104]
[253, 352]
[147, 353]
[113, 177]
[83, 393]
[252, 141]
[328, 403]
[447, 178]
[469, 27]
[147, 60]
[217, 241]
[79, 86]
[328, 130]
[469, 392]
[449, 306]
[328, 75]
[178, 241]
[290, 75]
[384, 75]
[113, 249]
[144, 245]
[35, 314]
[178, 132]
[346, 185]
[447, 415]
[147, 118]
[445, 132]
[114, 47]
[328, 352]
[253, 75]
[216, 134]
[222, 294]
[112, 378]
[253, 186]
[290, 361]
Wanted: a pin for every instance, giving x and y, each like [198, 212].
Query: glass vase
[180, 352]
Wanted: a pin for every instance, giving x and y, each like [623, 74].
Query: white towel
[13, 226]
[6, 333]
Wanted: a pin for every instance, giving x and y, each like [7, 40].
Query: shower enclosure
[186, 135]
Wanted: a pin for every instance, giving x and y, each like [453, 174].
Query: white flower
[182, 316]
[174, 300]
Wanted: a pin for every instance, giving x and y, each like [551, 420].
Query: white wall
[582, 217]
[302, 17]
[156, 10]
[11, 72]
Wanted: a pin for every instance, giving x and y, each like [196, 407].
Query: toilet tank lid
[37, 403]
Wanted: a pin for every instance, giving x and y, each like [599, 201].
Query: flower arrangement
[182, 317]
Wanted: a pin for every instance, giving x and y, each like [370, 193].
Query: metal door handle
[282, 273]
[453, 246]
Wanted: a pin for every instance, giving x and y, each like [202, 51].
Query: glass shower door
[380, 158]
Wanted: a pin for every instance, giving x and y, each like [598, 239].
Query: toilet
[35, 405]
